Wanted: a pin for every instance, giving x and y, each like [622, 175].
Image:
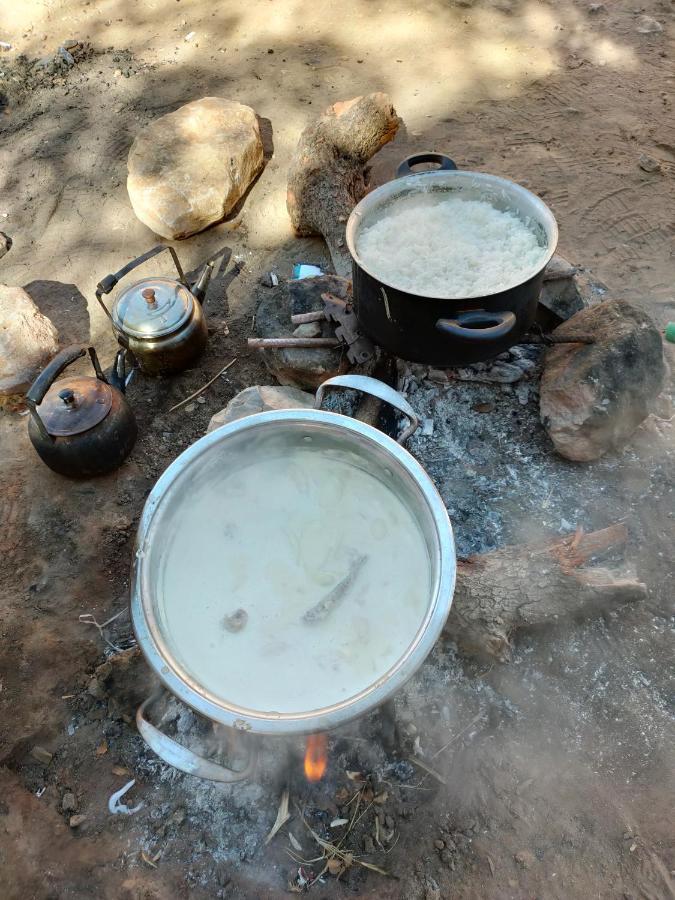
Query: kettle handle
[106, 284]
[50, 373]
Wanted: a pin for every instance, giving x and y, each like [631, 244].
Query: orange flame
[316, 756]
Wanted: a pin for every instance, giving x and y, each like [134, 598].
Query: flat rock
[260, 398]
[189, 168]
[594, 396]
[28, 340]
[5, 243]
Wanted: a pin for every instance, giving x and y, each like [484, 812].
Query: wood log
[533, 585]
[327, 177]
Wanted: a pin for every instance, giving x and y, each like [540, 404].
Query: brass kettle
[159, 321]
[80, 426]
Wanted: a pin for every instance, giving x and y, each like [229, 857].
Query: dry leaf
[295, 888]
[337, 822]
[120, 770]
[102, 748]
[295, 843]
[355, 776]
[283, 816]
[381, 798]
[367, 794]
[374, 868]
[335, 866]
[146, 859]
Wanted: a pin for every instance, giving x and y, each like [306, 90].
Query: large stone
[594, 396]
[28, 340]
[260, 398]
[190, 167]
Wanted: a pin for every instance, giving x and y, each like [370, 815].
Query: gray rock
[71, 44]
[594, 396]
[260, 398]
[649, 25]
[66, 57]
[189, 168]
[28, 340]
[69, 802]
[308, 330]
[76, 821]
[596, 8]
[648, 163]
[5, 243]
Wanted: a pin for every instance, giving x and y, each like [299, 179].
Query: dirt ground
[557, 777]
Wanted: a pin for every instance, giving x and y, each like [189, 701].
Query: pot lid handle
[367, 385]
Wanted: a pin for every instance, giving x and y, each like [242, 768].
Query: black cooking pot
[448, 331]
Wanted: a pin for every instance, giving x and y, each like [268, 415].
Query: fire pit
[300, 542]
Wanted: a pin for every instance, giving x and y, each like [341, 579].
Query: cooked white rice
[441, 245]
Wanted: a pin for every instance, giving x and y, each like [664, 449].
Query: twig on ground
[204, 387]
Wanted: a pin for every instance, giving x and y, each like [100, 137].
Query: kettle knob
[148, 295]
[68, 397]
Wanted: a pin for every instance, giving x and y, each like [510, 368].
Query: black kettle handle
[50, 373]
[53, 369]
[406, 166]
[106, 284]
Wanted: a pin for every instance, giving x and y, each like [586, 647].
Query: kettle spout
[201, 284]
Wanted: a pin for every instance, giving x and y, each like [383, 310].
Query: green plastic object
[670, 332]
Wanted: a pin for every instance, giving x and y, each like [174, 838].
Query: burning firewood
[327, 179]
[535, 584]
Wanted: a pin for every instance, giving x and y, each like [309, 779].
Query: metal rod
[310, 343]
[303, 318]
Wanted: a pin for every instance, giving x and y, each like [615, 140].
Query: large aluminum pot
[446, 330]
[369, 449]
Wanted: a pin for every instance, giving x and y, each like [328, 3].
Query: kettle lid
[152, 307]
[76, 404]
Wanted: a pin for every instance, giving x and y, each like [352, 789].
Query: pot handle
[478, 325]
[106, 284]
[375, 388]
[174, 754]
[406, 166]
[48, 376]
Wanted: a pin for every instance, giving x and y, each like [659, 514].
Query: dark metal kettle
[80, 426]
[158, 320]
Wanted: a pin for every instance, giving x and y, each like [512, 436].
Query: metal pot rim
[191, 692]
[392, 188]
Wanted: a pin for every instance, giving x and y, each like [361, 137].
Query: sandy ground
[571, 757]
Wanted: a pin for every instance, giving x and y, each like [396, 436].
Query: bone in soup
[440, 245]
[292, 583]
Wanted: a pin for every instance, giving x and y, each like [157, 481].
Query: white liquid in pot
[441, 245]
[254, 604]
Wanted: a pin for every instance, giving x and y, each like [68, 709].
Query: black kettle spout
[201, 284]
